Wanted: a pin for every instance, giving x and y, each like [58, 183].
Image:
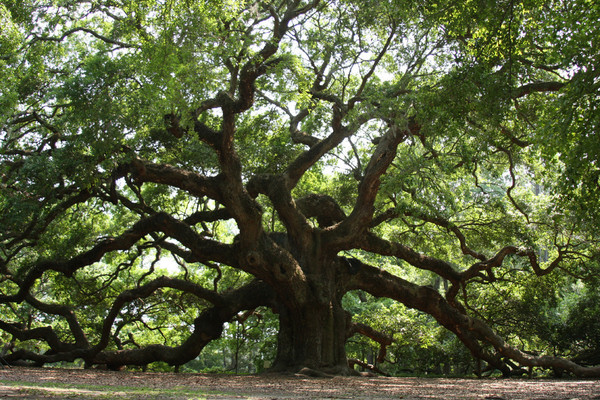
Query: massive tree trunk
[313, 336]
[313, 325]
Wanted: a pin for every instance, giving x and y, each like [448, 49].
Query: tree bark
[313, 329]
[313, 336]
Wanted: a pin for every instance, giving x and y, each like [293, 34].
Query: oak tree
[171, 166]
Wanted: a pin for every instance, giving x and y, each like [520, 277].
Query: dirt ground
[45, 383]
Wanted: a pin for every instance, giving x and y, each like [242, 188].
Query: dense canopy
[170, 168]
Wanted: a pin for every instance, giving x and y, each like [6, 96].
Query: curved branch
[375, 244]
[207, 327]
[220, 214]
[194, 183]
[497, 260]
[529, 360]
[471, 331]
[67, 313]
[365, 330]
[307, 159]
[46, 333]
[203, 249]
[439, 221]
[80, 29]
[383, 339]
[511, 170]
[68, 267]
[148, 289]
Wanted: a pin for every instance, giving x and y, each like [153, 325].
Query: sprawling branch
[470, 330]
[375, 244]
[80, 29]
[194, 183]
[45, 334]
[439, 221]
[203, 249]
[496, 261]
[67, 313]
[207, 326]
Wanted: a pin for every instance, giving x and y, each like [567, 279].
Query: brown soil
[45, 383]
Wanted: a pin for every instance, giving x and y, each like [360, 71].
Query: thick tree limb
[307, 159]
[275, 187]
[377, 245]
[361, 216]
[470, 330]
[203, 249]
[537, 87]
[45, 334]
[146, 290]
[193, 183]
[67, 313]
[299, 136]
[382, 338]
[365, 330]
[207, 327]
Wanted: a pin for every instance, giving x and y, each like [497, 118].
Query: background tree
[168, 167]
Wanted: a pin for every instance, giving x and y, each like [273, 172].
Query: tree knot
[253, 258]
